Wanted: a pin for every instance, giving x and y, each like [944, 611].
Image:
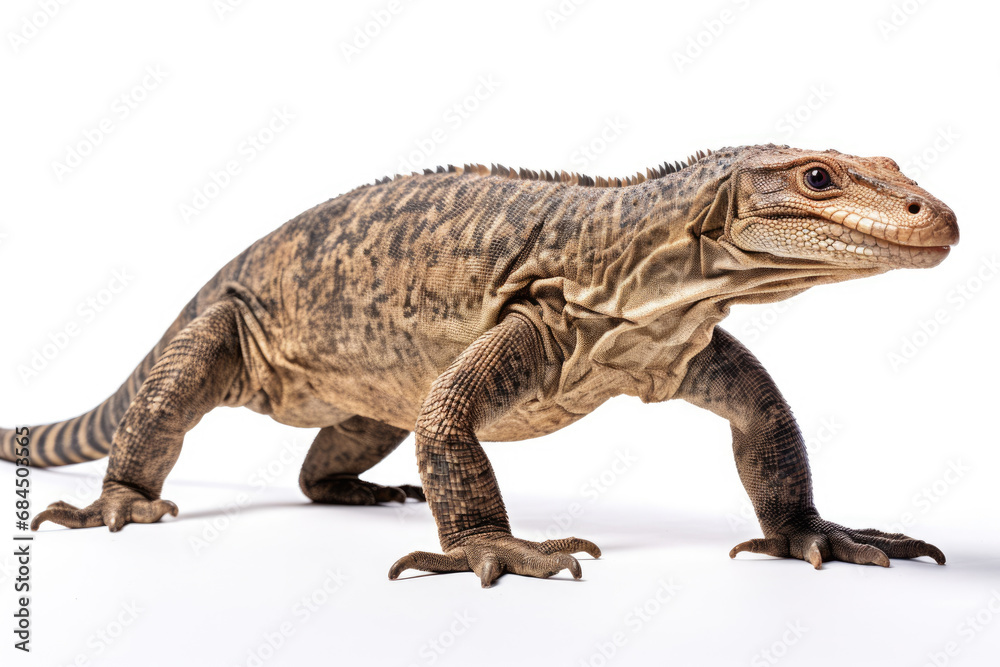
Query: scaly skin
[475, 304]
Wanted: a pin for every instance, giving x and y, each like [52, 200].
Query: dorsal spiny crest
[562, 176]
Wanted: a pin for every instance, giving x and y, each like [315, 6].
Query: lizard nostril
[913, 208]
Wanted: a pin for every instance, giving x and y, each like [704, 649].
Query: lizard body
[475, 304]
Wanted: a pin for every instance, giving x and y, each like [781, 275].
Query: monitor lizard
[477, 303]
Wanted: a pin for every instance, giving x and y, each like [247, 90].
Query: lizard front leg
[501, 368]
[192, 376]
[771, 459]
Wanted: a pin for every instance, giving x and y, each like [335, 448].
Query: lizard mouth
[851, 240]
[841, 239]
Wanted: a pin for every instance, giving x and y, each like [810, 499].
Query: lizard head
[845, 211]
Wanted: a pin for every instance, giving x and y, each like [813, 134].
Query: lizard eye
[818, 178]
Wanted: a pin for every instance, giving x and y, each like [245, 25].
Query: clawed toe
[152, 511]
[413, 491]
[489, 556]
[349, 490]
[68, 516]
[897, 545]
[818, 541]
[769, 546]
[60, 505]
[430, 562]
[114, 509]
[570, 545]
[814, 554]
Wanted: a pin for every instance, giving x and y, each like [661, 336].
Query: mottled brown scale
[488, 303]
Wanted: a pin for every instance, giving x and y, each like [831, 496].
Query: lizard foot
[117, 506]
[816, 541]
[349, 490]
[491, 554]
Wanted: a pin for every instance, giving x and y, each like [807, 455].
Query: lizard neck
[601, 236]
[639, 252]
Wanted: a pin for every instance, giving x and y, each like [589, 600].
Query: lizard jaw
[847, 238]
[934, 229]
[839, 238]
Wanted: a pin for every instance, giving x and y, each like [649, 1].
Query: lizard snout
[936, 224]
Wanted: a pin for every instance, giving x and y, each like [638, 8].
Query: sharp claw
[574, 567]
[814, 556]
[390, 494]
[39, 519]
[413, 491]
[163, 507]
[114, 521]
[491, 571]
[398, 567]
[936, 554]
[589, 548]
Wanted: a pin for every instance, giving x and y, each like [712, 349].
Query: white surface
[879, 434]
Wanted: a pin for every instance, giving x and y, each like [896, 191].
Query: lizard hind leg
[191, 377]
[342, 452]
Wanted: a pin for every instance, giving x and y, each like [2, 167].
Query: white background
[864, 77]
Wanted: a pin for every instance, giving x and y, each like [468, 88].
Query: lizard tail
[88, 437]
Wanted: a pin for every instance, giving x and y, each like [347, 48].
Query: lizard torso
[357, 305]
